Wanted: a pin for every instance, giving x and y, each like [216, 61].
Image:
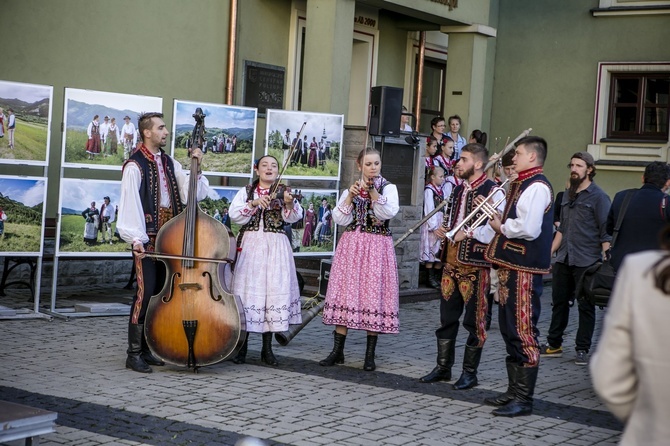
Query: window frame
[640, 106]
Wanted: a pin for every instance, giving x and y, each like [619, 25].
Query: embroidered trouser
[464, 288]
[518, 314]
[151, 275]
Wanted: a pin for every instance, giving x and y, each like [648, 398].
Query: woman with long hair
[265, 276]
[363, 286]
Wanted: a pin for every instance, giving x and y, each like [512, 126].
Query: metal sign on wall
[263, 86]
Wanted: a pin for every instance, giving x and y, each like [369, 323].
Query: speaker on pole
[385, 111]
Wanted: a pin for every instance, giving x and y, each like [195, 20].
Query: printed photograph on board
[88, 212]
[25, 120]
[22, 215]
[315, 234]
[101, 127]
[308, 144]
[227, 141]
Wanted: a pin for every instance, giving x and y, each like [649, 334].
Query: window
[639, 105]
[432, 100]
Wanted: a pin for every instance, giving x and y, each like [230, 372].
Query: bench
[19, 422]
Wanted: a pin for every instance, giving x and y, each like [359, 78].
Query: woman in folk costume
[93, 143]
[2, 123]
[114, 136]
[265, 276]
[310, 223]
[430, 243]
[363, 286]
[92, 217]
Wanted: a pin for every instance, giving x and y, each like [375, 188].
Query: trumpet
[480, 214]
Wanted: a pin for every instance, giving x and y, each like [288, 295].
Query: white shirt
[11, 122]
[385, 208]
[240, 212]
[530, 213]
[107, 210]
[104, 128]
[129, 129]
[89, 130]
[131, 224]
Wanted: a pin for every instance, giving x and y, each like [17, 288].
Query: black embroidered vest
[364, 215]
[150, 187]
[272, 218]
[470, 250]
[533, 256]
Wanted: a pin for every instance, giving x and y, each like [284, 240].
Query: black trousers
[464, 288]
[518, 313]
[150, 279]
[563, 289]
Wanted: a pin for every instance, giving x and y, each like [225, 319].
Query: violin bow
[176, 257]
[274, 187]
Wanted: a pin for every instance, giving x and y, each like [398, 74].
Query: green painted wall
[392, 53]
[167, 48]
[546, 72]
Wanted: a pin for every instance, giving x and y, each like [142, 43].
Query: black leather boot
[471, 360]
[433, 279]
[266, 351]
[149, 357]
[445, 360]
[241, 356]
[337, 355]
[369, 364]
[524, 388]
[508, 396]
[135, 361]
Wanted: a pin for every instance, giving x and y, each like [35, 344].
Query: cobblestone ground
[76, 367]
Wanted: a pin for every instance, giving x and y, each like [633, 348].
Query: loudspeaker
[324, 276]
[385, 111]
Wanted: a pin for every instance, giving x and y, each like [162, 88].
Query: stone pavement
[76, 368]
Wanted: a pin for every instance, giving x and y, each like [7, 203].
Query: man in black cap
[581, 241]
[107, 215]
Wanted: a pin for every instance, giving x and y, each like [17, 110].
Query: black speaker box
[324, 276]
[385, 111]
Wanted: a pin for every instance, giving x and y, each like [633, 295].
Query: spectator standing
[455, 127]
[629, 370]
[581, 241]
[647, 214]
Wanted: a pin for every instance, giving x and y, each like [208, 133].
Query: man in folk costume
[466, 276]
[154, 188]
[106, 219]
[129, 136]
[522, 251]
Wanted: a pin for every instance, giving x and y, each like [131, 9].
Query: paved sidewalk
[76, 368]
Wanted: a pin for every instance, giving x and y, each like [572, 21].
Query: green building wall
[546, 71]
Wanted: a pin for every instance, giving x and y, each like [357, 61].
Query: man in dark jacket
[648, 212]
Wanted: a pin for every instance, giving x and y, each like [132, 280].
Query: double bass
[193, 321]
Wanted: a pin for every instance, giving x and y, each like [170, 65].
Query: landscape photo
[82, 229]
[22, 215]
[316, 153]
[227, 140]
[91, 140]
[30, 105]
[316, 233]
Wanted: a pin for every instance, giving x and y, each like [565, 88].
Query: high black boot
[241, 356]
[369, 364]
[266, 351]
[471, 360]
[445, 360]
[135, 360]
[433, 279]
[524, 388]
[508, 396]
[337, 355]
[149, 357]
